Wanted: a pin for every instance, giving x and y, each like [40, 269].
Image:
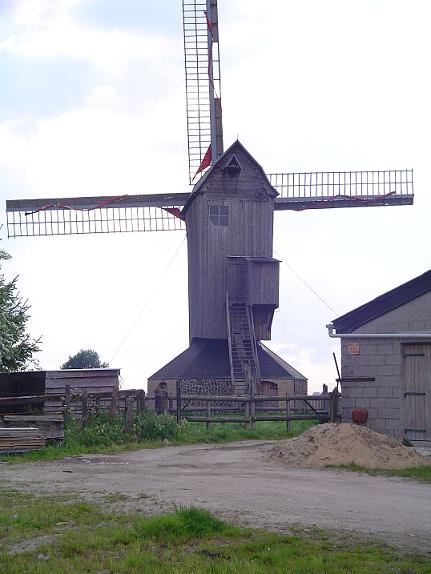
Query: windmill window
[219, 215]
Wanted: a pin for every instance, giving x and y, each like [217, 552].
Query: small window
[219, 215]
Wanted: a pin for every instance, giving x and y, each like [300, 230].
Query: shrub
[100, 431]
[150, 426]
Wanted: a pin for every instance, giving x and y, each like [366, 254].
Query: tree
[84, 359]
[16, 345]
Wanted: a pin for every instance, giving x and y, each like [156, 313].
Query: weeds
[191, 540]
[107, 436]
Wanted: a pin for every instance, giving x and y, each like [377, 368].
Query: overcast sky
[92, 102]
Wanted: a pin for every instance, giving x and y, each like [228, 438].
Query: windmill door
[416, 391]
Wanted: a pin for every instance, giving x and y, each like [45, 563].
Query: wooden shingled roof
[384, 304]
[209, 358]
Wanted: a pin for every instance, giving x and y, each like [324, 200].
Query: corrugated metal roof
[384, 304]
[209, 358]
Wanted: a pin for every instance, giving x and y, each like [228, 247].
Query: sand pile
[340, 444]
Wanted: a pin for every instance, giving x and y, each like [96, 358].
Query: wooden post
[128, 417]
[67, 401]
[84, 419]
[247, 413]
[207, 424]
[252, 412]
[178, 397]
[113, 407]
[334, 405]
[158, 401]
[164, 402]
[287, 414]
[140, 401]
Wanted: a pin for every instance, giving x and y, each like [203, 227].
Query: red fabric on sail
[175, 211]
[206, 162]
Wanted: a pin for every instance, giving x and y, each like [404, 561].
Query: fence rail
[209, 409]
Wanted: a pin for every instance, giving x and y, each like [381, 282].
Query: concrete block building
[386, 360]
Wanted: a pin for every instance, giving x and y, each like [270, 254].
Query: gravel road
[235, 482]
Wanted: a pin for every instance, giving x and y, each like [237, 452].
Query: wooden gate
[416, 391]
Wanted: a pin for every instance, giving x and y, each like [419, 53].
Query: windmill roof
[198, 187]
[209, 358]
[383, 304]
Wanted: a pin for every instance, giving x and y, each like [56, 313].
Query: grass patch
[422, 473]
[191, 433]
[190, 540]
[103, 436]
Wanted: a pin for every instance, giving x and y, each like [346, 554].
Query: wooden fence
[250, 409]
[194, 408]
[81, 405]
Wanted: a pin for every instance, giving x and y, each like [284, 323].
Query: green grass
[83, 539]
[422, 473]
[191, 433]
[102, 437]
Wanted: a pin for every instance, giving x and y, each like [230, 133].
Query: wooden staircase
[244, 362]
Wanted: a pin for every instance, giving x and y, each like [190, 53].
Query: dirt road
[233, 481]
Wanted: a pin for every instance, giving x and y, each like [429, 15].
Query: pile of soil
[343, 444]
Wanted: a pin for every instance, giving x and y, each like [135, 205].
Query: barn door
[417, 391]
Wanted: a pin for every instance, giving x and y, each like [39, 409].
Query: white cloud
[46, 29]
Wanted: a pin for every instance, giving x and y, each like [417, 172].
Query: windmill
[232, 275]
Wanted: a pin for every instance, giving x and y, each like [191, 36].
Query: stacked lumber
[50, 426]
[20, 440]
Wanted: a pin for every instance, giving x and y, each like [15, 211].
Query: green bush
[150, 426]
[100, 431]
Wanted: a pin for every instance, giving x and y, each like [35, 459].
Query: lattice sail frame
[321, 190]
[203, 85]
[85, 215]
[160, 212]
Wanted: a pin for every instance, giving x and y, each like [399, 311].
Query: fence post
[165, 404]
[178, 402]
[158, 401]
[140, 401]
[113, 407]
[246, 413]
[334, 406]
[170, 404]
[128, 416]
[67, 400]
[207, 424]
[252, 412]
[84, 419]
[287, 415]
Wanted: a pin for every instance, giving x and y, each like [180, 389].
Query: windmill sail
[84, 215]
[324, 190]
[203, 85]
[161, 212]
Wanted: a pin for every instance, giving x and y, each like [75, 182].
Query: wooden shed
[386, 360]
[54, 382]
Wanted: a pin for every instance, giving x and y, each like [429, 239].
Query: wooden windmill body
[233, 278]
